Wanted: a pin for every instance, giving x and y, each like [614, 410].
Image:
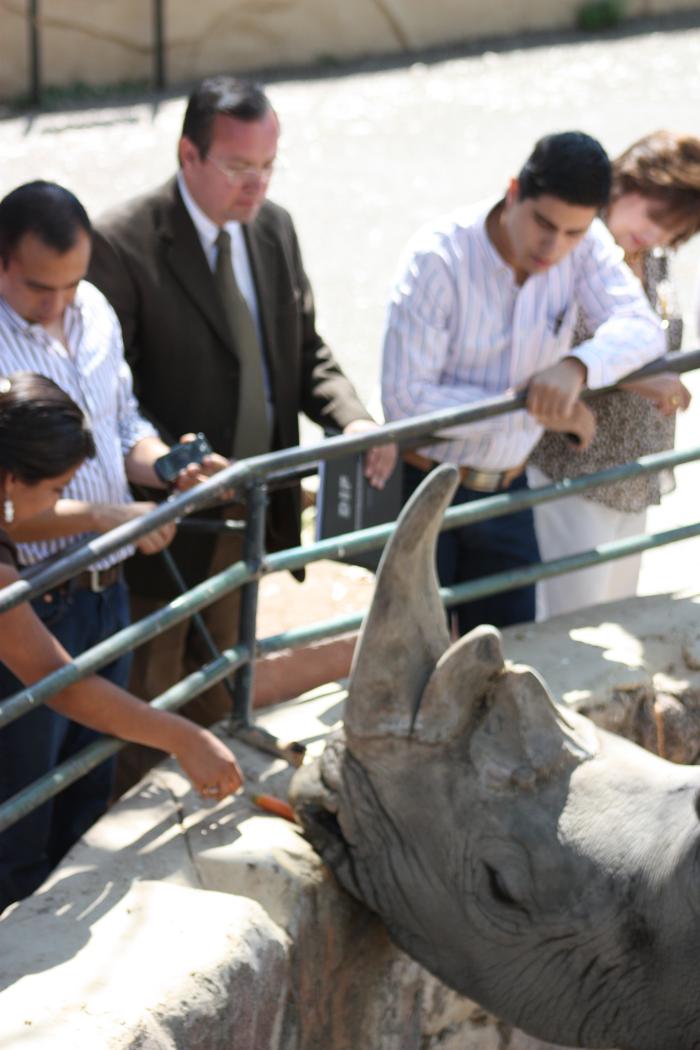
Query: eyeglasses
[245, 172]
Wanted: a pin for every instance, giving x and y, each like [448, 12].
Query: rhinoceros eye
[498, 888]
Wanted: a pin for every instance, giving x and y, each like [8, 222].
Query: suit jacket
[148, 261]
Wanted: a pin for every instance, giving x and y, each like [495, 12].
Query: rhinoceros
[541, 866]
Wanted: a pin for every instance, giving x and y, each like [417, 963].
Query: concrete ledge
[122, 949]
[631, 666]
[153, 965]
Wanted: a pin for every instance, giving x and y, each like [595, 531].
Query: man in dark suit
[217, 314]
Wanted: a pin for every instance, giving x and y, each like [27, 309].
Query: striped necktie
[252, 429]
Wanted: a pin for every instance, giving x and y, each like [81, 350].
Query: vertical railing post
[159, 44]
[34, 54]
[253, 553]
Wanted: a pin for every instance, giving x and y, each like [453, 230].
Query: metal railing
[36, 19]
[250, 478]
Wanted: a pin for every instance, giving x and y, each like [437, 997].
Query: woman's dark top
[627, 425]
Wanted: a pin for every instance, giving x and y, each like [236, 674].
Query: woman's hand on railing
[665, 391]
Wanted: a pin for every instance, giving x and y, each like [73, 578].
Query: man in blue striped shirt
[53, 322]
[485, 303]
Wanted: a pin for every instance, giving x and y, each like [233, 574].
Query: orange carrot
[272, 804]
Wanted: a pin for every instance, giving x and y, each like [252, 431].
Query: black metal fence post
[253, 553]
[159, 75]
[197, 619]
[241, 725]
[34, 53]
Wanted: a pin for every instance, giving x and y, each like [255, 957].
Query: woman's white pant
[574, 524]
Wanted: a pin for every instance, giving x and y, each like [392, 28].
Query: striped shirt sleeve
[132, 426]
[418, 341]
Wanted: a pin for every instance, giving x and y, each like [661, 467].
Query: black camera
[168, 467]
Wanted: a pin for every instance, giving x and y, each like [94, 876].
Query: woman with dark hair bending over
[654, 206]
[43, 440]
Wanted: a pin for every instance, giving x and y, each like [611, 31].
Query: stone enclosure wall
[107, 42]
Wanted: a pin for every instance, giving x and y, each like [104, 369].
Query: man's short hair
[569, 165]
[222, 96]
[50, 212]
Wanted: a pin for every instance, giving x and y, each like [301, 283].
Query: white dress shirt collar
[72, 313]
[207, 230]
[491, 252]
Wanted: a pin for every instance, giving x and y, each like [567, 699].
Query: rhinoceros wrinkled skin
[534, 863]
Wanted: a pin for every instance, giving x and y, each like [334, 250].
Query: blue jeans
[37, 742]
[472, 551]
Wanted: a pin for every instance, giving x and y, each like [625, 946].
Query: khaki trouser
[170, 656]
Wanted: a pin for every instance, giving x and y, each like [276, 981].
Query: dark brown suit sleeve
[112, 277]
[111, 274]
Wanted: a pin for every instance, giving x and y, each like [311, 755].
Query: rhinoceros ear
[515, 728]
[522, 736]
[405, 631]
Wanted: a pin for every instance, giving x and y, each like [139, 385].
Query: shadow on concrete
[88, 884]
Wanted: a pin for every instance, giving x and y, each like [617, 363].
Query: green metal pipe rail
[252, 476]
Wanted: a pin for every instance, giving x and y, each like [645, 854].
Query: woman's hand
[209, 764]
[665, 391]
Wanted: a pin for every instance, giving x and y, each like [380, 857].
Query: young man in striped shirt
[53, 322]
[485, 304]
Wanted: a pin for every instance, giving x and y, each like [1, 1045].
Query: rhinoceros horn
[407, 679]
[405, 632]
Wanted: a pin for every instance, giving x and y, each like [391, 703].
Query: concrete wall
[14, 52]
[101, 42]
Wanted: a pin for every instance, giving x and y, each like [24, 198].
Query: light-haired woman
[654, 207]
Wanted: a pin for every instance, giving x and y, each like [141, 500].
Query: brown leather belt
[469, 477]
[96, 580]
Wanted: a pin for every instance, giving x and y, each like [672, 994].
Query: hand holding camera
[189, 463]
